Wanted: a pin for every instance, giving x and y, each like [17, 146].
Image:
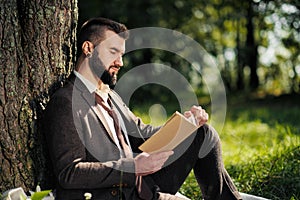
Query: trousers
[201, 152]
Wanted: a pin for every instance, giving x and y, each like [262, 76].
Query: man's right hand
[146, 163]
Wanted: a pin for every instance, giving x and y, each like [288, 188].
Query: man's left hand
[199, 114]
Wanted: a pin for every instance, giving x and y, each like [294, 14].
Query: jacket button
[114, 192]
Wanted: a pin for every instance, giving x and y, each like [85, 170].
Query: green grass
[261, 147]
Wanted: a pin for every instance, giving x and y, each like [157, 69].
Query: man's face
[107, 59]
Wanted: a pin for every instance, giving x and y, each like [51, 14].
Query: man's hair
[94, 29]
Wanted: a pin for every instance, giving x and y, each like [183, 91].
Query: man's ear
[87, 48]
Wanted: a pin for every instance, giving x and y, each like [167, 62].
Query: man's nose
[119, 61]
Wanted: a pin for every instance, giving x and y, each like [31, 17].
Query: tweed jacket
[84, 156]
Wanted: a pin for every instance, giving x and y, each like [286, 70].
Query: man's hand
[149, 163]
[198, 113]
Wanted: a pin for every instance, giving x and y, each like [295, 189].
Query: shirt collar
[90, 86]
[103, 91]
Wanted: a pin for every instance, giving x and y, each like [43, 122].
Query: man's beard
[102, 73]
[109, 79]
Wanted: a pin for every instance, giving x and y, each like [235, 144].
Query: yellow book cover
[171, 134]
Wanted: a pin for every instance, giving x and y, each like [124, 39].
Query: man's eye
[113, 52]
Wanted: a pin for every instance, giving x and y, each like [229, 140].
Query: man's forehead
[112, 39]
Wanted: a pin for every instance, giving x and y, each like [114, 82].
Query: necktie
[112, 113]
[143, 189]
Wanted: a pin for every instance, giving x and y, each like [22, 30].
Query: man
[92, 153]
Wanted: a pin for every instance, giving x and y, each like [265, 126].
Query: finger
[160, 158]
[156, 166]
[196, 108]
[162, 154]
[187, 114]
[200, 115]
[206, 116]
[204, 119]
[160, 161]
[146, 172]
[196, 111]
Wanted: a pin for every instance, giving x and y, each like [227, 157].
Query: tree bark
[36, 53]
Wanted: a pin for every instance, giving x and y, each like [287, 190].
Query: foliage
[39, 195]
[248, 39]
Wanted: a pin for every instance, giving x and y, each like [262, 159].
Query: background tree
[36, 48]
[281, 31]
[254, 42]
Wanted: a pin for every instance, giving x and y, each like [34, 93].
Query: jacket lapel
[90, 99]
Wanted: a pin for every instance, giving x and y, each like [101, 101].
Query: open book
[171, 134]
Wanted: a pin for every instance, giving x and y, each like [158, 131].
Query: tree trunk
[240, 61]
[251, 49]
[36, 53]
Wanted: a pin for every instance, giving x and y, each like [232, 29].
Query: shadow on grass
[284, 109]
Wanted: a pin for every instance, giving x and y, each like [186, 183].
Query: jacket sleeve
[72, 167]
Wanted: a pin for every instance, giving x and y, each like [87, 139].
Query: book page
[172, 133]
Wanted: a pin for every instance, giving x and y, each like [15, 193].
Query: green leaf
[40, 195]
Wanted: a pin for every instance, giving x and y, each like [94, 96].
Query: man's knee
[211, 138]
